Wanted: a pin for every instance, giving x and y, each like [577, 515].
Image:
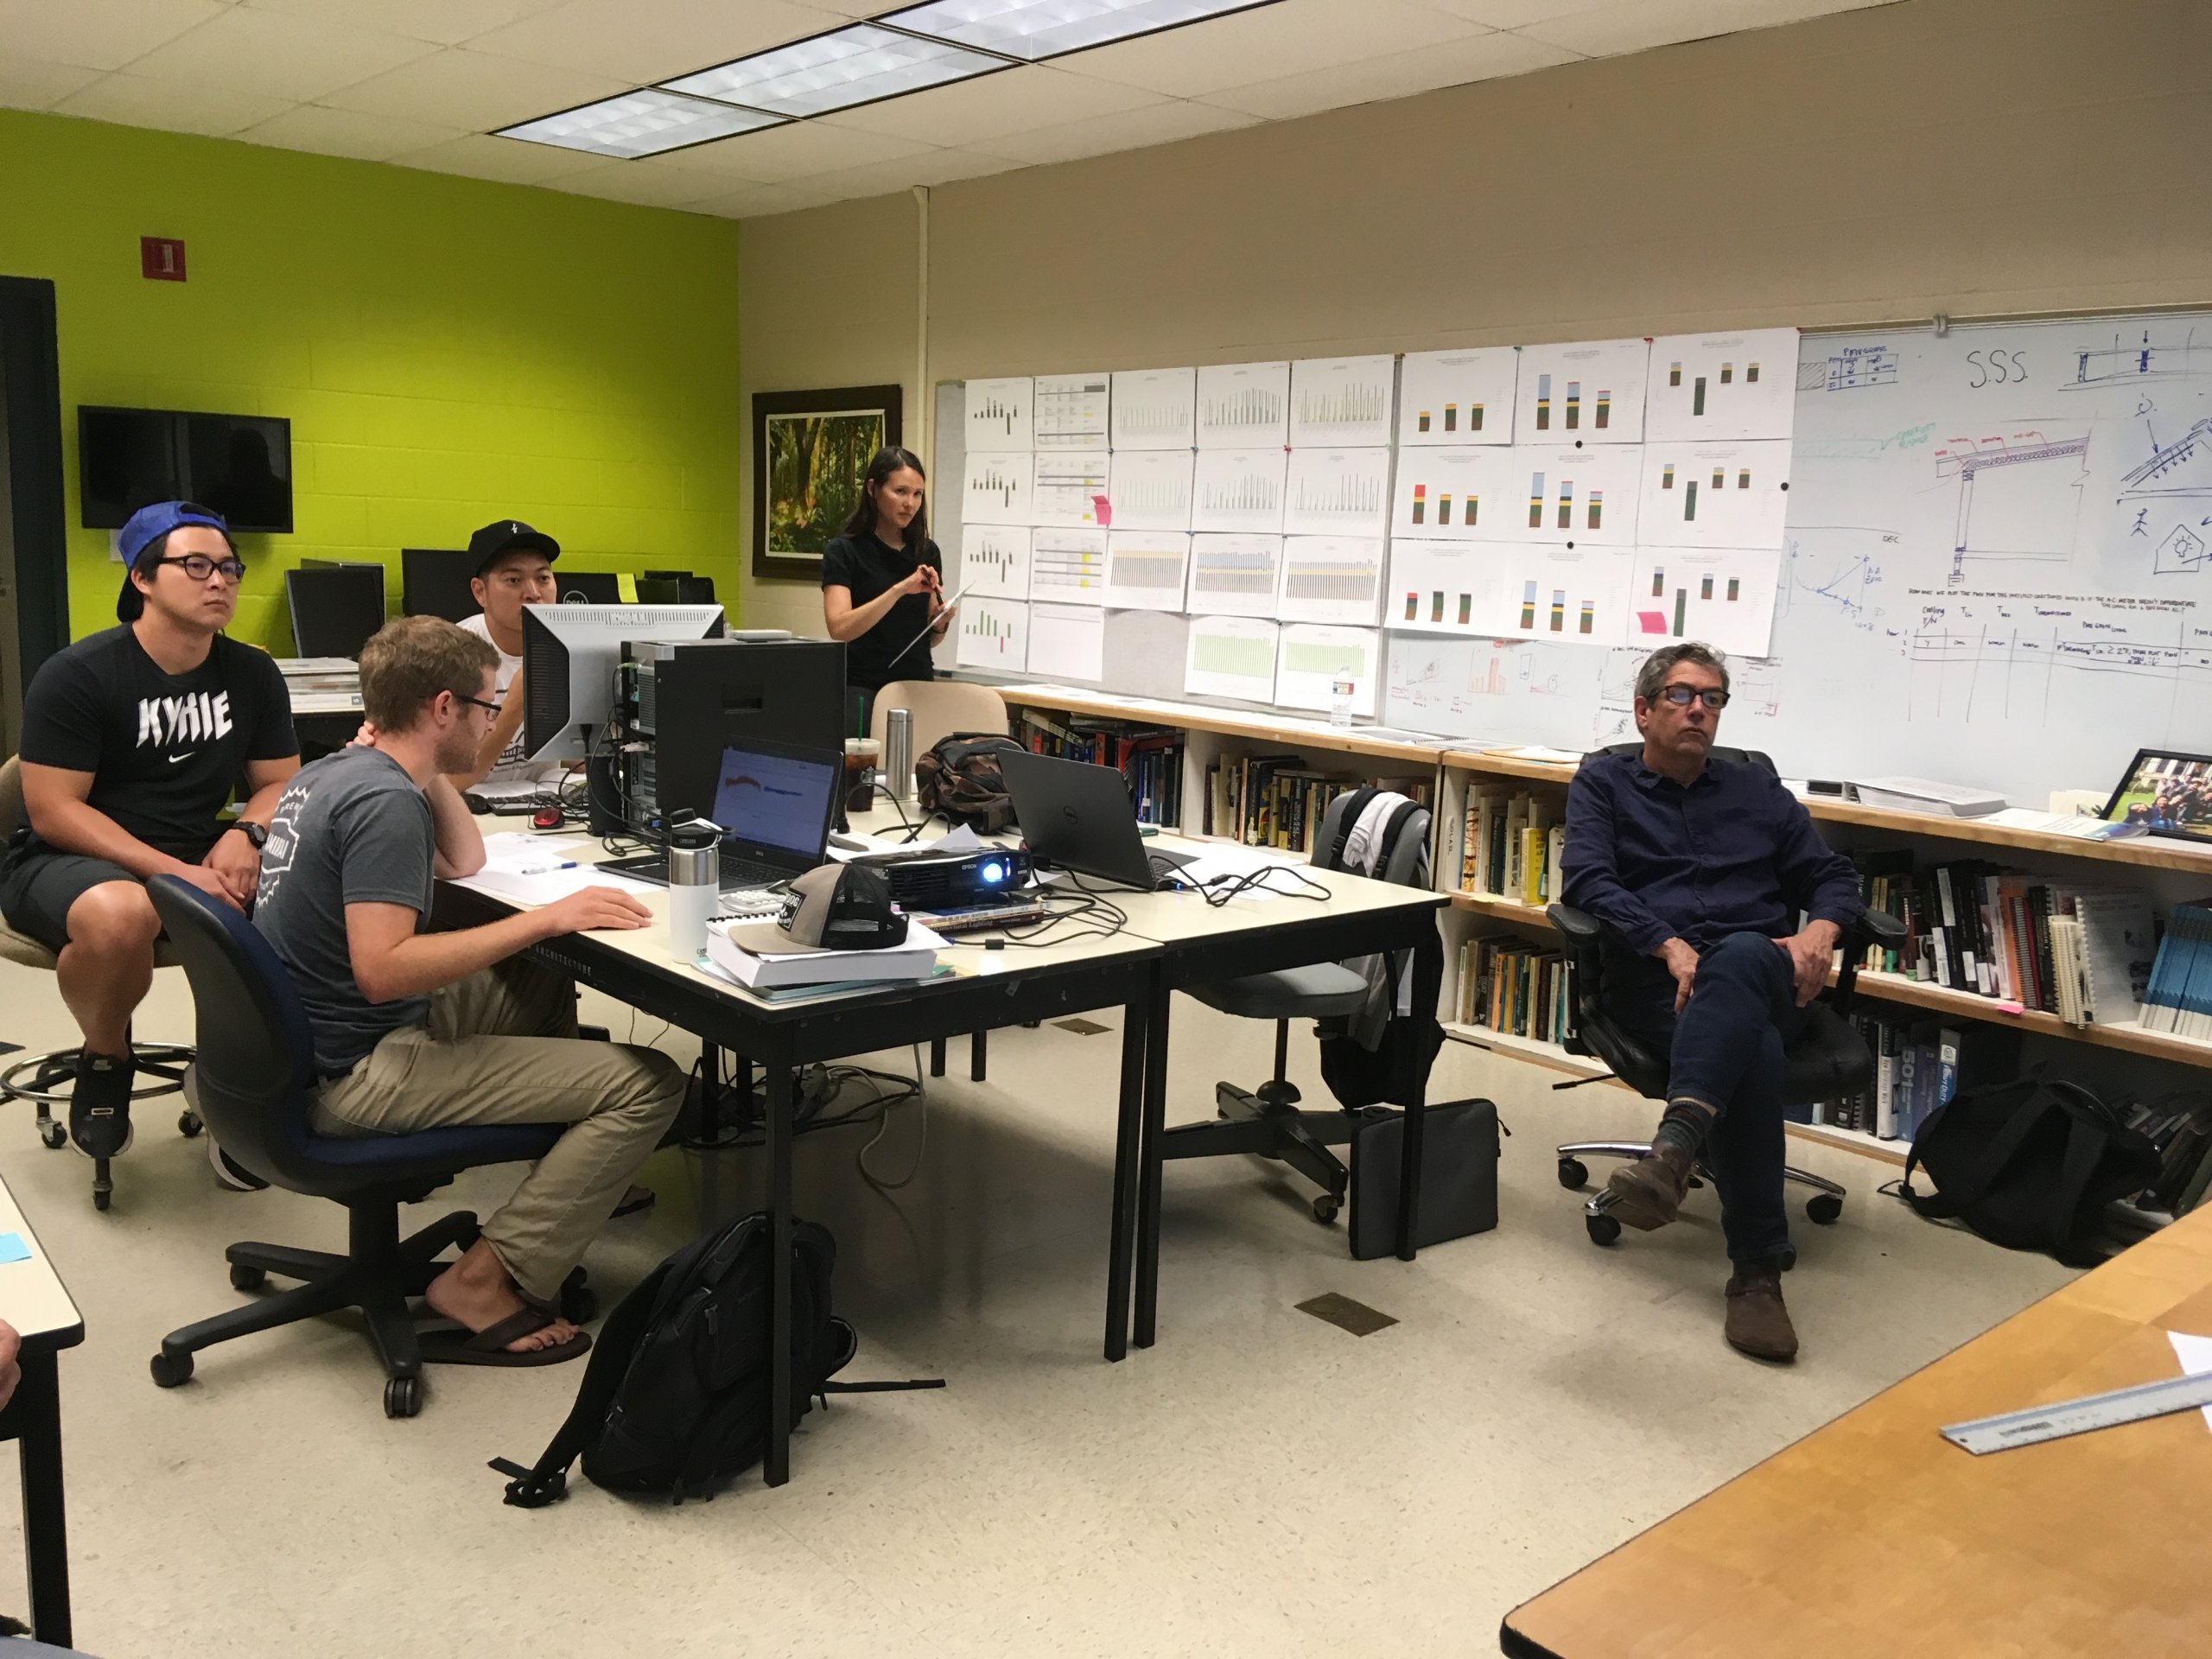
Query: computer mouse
[549, 817]
[476, 802]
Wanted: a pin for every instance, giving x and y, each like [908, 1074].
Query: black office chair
[1268, 1122]
[256, 1067]
[1827, 1061]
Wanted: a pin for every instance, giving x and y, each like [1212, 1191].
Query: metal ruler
[2055, 1422]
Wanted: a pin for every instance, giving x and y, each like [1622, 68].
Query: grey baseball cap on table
[833, 907]
[508, 536]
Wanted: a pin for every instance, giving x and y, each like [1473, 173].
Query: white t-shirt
[511, 768]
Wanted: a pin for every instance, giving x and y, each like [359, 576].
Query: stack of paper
[322, 685]
[916, 959]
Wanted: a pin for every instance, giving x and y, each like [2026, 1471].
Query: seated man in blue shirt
[1698, 866]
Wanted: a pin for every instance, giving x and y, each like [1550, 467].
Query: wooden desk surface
[32, 1296]
[1874, 1536]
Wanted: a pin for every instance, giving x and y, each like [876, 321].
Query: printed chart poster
[1458, 493]
[994, 560]
[1068, 641]
[995, 490]
[1341, 402]
[1240, 489]
[1068, 566]
[1154, 409]
[1331, 579]
[1445, 587]
[1231, 657]
[1563, 596]
[1338, 492]
[993, 635]
[1583, 497]
[1723, 596]
[1235, 576]
[1069, 485]
[1145, 569]
[1312, 659]
[1150, 489]
[1589, 391]
[1463, 397]
[1715, 495]
[999, 415]
[1244, 405]
[1070, 410]
[1709, 387]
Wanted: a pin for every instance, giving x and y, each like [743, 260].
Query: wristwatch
[255, 833]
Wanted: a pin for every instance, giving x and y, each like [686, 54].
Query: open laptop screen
[776, 800]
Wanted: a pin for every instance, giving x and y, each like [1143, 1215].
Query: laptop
[774, 803]
[1079, 815]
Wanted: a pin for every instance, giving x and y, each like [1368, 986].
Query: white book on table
[916, 959]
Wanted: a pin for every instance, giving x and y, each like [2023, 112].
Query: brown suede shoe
[1648, 1193]
[1758, 1323]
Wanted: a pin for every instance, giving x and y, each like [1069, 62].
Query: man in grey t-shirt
[415, 1030]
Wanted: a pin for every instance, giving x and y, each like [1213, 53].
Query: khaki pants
[500, 1047]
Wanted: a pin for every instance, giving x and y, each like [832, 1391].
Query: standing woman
[882, 580]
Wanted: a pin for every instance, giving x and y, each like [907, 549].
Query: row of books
[1512, 844]
[2081, 950]
[1509, 986]
[2179, 996]
[1919, 1065]
[1277, 800]
[2180, 1126]
[1149, 758]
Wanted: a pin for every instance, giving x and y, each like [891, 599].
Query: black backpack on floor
[2030, 1165]
[675, 1395]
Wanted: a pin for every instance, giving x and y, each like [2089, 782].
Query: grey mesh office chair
[1266, 1122]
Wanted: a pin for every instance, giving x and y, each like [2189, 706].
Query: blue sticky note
[12, 1248]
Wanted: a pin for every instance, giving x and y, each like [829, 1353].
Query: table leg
[37, 1411]
[978, 1053]
[1409, 1175]
[1128, 1151]
[1154, 1134]
[937, 1057]
[780, 1091]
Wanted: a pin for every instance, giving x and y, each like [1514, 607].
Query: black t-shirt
[165, 751]
[869, 568]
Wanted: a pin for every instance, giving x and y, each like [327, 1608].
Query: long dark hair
[888, 460]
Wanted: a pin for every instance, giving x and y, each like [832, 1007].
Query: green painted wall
[447, 351]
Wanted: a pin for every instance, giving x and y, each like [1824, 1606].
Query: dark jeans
[1725, 1048]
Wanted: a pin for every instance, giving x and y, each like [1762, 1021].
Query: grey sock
[1685, 1126]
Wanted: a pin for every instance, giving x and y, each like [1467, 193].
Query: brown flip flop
[449, 1343]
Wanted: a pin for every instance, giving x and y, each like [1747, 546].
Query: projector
[926, 881]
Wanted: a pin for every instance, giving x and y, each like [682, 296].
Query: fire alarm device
[160, 258]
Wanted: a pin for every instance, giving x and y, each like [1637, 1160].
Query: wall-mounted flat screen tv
[240, 464]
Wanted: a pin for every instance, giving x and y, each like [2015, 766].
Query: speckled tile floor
[1260, 1482]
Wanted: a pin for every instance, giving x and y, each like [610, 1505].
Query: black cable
[810, 1113]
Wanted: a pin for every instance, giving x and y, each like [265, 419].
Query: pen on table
[548, 869]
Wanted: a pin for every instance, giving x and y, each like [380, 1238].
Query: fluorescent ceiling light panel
[640, 124]
[1034, 30]
[836, 70]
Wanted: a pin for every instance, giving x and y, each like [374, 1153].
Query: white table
[35, 1301]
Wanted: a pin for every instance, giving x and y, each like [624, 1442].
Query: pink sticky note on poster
[1102, 510]
[1652, 621]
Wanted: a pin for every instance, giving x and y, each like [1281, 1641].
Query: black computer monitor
[588, 587]
[335, 608]
[696, 699]
[570, 656]
[660, 590]
[433, 581]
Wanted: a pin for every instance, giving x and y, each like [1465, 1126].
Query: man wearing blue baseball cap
[134, 738]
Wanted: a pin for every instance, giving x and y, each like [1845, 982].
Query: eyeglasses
[488, 708]
[1682, 696]
[200, 567]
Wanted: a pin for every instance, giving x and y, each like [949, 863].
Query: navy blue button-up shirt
[1734, 852]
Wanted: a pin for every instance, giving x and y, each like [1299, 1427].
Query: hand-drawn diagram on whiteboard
[1851, 367]
[999, 415]
[1243, 405]
[1715, 494]
[2135, 356]
[2018, 657]
[1724, 596]
[1154, 409]
[1457, 396]
[994, 560]
[1233, 575]
[1069, 485]
[1835, 570]
[1331, 579]
[1239, 489]
[993, 636]
[1720, 386]
[1528, 693]
[1589, 391]
[2019, 496]
[1341, 402]
[1069, 411]
[996, 490]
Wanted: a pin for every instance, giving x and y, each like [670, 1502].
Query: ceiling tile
[28, 84]
[1505, 14]
[173, 106]
[346, 132]
[1635, 25]
[460, 88]
[1400, 75]
[442, 23]
[508, 161]
[1156, 124]
[97, 34]
[653, 42]
[269, 56]
[795, 151]
[1267, 44]
[880, 178]
[646, 183]
[754, 201]
[977, 112]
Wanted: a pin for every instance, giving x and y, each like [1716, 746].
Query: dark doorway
[34, 526]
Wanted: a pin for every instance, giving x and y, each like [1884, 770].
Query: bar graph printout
[1338, 492]
[1243, 405]
[1310, 660]
[994, 560]
[1145, 569]
[1457, 396]
[1233, 575]
[1566, 596]
[996, 489]
[1711, 387]
[1341, 402]
[1231, 657]
[1724, 596]
[999, 415]
[993, 635]
[1591, 391]
[1239, 489]
[1154, 409]
[1331, 579]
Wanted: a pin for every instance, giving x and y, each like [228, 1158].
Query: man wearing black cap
[514, 567]
[133, 740]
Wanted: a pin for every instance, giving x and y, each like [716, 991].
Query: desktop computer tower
[684, 703]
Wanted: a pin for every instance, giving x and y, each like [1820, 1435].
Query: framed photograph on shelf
[811, 451]
[2166, 794]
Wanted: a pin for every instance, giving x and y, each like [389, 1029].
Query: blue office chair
[256, 1067]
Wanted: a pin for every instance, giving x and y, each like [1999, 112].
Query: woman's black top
[889, 650]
